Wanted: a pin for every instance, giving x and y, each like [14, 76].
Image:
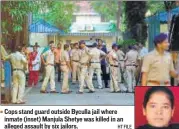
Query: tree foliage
[59, 13]
[17, 10]
[155, 6]
[107, 9]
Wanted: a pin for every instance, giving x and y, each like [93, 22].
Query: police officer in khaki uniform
[65, 68]
[120, 55]
[96, 56]
[2, 74]
[74, 55]
[84, 63]
[131, 61]
[158, 65]
[50, 70]
[113, 61]
[18, 61]
[3, 55]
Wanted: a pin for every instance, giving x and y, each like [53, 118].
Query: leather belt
[114, 65]
[75, 60]
[159, 83]
[19, 70]
[51, 64]
[131, 65]
[94, 62]
[63, 64]
[85, 64]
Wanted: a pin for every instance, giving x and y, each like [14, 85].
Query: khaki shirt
[49, 56]
[84, 55]
[17, 59]
[96, 54]
[131, 57]
[75, 55]
[112, 58]
[64, 57]
[95, 57]
[3, 53]
[120, 55]
[158, 67]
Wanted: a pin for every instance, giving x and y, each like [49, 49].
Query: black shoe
[79, 92]
[91, 91]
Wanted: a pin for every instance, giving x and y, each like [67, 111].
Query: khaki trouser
[18, 86]
[94, 67]
[75, 72]
[83, 74]
[131, 80]
[65, 85]
[2, 75]
[114, 79]
[49, 74]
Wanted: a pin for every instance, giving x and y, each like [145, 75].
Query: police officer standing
[49, 70]
[120, 55]
[158, 65]
[113, 61]
[18, 61]
[84, 64]
[96, 56]
[130, 64]
[65, 68]
[74, 55]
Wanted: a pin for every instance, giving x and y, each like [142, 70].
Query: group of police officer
[82, 62]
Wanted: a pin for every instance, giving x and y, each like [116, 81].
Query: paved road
[100, 97]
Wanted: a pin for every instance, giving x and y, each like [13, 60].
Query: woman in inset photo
[158, 108]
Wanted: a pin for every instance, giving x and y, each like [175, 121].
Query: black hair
[130, 47]
[119, 46]
[66, 46]
[81, 42]
[155, 89]
[51, 42]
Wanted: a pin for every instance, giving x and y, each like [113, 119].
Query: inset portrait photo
[157, 107]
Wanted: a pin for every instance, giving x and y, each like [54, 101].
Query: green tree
[59, 14]
[14, 14]
[107, 9]
[155, 6]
